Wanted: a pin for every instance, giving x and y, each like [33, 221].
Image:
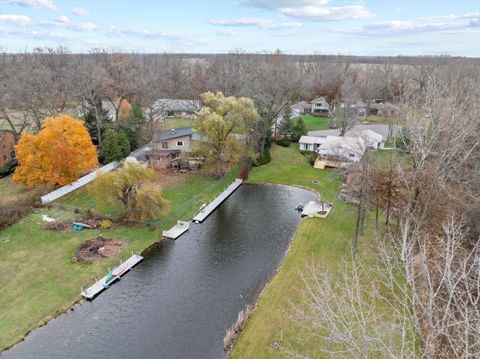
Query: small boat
[108, 278]
[121, 269]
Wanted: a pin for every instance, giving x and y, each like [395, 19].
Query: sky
[355, 27]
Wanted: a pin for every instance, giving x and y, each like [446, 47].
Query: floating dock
[205, 212]
[111, 277]
[176, 231]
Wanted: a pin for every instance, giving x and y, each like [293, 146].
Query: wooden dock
[109, 279]
[205, 212]
[176, 231]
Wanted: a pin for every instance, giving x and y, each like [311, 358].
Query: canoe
[122, 268]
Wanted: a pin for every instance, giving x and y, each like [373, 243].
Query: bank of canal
[180, 300]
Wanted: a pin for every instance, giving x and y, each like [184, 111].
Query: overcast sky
[370, 27]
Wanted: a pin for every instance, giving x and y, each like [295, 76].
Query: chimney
[172, 131]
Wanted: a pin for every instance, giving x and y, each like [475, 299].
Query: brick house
[7, 147]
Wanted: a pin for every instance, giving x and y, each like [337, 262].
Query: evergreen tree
[286, 126]
[299, 129]
[115, 146]
[133, 123]
[96, 119]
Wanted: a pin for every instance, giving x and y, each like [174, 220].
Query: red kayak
[122, 268]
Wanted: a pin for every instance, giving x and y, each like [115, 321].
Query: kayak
[109, 277]
[122, 268]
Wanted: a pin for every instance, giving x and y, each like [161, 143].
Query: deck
[177, 230]
[205, 212]
[101, 284]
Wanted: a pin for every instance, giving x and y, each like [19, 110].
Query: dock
[111, 277]
[205, 212]
[177, 230]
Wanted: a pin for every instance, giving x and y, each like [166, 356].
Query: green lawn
[176, 123]
[320, 240]
[314, 123]
[10, 191]
[38, 275]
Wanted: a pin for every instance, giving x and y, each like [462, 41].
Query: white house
[310, 143]
[345, 149]
[320, 107]
[373, 139]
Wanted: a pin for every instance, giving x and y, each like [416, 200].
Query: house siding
[7, 147]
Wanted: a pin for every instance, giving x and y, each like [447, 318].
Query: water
[178, 302]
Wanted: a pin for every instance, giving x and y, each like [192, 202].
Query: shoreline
[265, 285]
[72, 304]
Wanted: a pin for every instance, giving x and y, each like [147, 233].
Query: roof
[303, 104]
[140, 154]
[372, 135]
[354, 143]
[311, 140]
[167, 104]
[321, 98]
[357, 130]
[172, 133]
[176, 133]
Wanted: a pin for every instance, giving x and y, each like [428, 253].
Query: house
[363, 131]
[170, 147]
[320, 107]
[381, 108]
[108, 107]
[301, 108]
[140, 155]
[373, 139]
[176, 108]
[310, 143]
[342, 149]
[7, 147]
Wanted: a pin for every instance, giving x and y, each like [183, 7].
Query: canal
[179, 301]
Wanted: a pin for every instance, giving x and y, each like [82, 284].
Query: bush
[310, 156]
[263, 159]
[8, 168]
[105, 224]
[12, 212]
[283, 142]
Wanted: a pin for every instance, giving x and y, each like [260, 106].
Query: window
[179, 143]
[351, 155]
[12, 154]
[4, 146]
[4, 157]
[164, 144]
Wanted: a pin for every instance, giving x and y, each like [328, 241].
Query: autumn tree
[59, 154]
[219, 120]
[134, 185]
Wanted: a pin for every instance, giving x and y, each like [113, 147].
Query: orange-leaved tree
[59, 154]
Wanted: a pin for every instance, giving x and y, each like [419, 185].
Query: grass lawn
[176, 123]
[38, 274]
[10, 191]
[314, 123]
[320, 240]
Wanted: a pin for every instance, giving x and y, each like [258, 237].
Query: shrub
[8, 168]
[283, 142]
[105, 224]
[12, 212]
[263, 159]
[310, 156]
